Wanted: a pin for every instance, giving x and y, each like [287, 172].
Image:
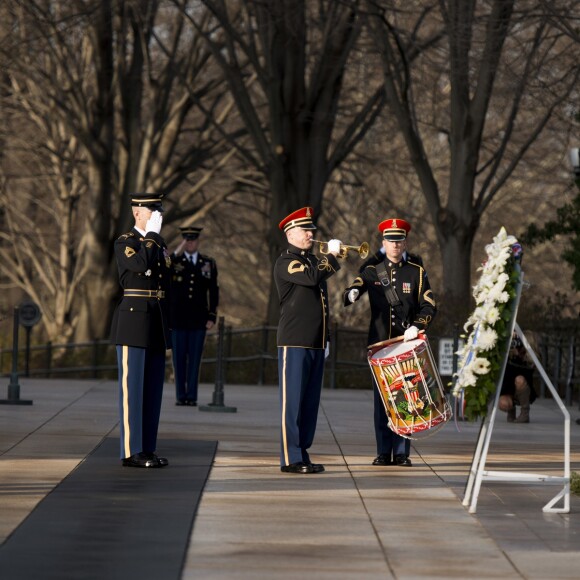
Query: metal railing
[249, 356]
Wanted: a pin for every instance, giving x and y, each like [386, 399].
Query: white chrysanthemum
[496, 294]
[489, 250]
[495, 263]
[480, 366]
[486, 339]
[502, 280]
[487, 281]
[496, 266]
[492, 315]
[481, 295]
[503, 298]
[503, 255]
[467, 378]
[479, 313]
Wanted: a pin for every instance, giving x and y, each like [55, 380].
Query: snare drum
[410, 387]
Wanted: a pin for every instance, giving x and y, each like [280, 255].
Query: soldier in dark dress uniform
[302, 337]
[194, 304]
[416, 310]
[140, 330]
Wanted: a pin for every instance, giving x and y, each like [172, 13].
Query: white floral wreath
[487, 325]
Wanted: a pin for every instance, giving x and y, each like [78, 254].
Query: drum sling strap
[391, 294]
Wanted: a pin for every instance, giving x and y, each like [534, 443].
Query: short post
[29, 315]
[14, 387]
[217, 403]
[27, 358]
[228, 349]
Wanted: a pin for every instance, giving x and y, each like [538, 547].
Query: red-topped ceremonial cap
[301, 218]
[394, 229]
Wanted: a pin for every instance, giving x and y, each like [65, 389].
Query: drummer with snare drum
[402, 304]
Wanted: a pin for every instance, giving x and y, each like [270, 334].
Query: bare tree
[301, 119]
[498, 75]
[107, 97]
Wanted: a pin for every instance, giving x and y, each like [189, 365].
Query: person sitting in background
[517, 386]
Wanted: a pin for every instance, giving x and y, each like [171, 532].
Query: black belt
[134, 293]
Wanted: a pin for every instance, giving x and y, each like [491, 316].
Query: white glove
[154, 222]
[411, 333]
[353, 295]
[334, 247]
[327, 350]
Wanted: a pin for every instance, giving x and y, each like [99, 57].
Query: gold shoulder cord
[150, 242]
[324, 264]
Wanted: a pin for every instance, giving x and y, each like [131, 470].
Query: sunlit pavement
[353, 521]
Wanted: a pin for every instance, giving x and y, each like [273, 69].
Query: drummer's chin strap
[391, 294]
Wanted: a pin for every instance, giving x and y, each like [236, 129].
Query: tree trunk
[453, 298]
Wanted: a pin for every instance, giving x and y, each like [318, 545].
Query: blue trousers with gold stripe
[388, 442]
[300, 372]
[141, 375]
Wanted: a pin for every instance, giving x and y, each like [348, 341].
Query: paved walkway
[355, 521]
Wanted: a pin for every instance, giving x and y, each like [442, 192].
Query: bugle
[362, 250]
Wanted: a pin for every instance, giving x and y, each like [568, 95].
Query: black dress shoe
[403, 461]
[191, 403]
[160, 460]
[300, 467]
[382, 459]
[140, 460]
[181, 403]
[316, 467]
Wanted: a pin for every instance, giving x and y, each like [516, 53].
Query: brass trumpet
[362, 250]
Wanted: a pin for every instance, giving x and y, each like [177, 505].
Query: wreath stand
[479, 474]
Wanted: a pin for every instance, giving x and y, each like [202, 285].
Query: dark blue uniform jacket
[414, 291]
[301, 282]
[194, 292]
[144, 264]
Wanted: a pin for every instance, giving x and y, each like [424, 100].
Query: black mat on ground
[105, 521]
